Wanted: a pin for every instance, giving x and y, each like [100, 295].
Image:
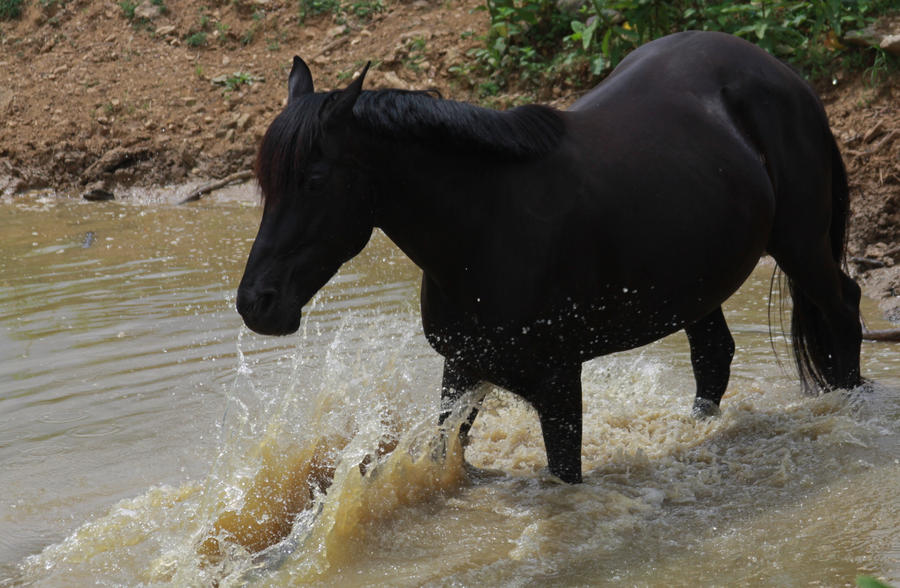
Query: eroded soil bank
[106, 96]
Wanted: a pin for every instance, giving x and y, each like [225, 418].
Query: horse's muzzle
[265, 312]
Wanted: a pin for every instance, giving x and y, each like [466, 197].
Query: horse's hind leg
[712, 348]
[557, 399]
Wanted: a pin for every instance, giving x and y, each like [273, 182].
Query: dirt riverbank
[104, 96]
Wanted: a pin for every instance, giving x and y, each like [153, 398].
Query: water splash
[332, 470]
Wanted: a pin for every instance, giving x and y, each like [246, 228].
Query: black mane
[522, 133]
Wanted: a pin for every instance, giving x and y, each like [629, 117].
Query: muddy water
[136, 415]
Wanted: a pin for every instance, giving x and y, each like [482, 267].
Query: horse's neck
[432, 205]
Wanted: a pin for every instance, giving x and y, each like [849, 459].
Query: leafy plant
[197, 39]
[51, 4]
[128, 7]
[273, 42]
[364, 9]
[535, 42]
[415, 53]
[870, 582]
[882, 66]
[524, 37]
[10, 9]
[317, 7]
[238, 79]
[340, 9]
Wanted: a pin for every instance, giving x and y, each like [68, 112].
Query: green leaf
[870, 582]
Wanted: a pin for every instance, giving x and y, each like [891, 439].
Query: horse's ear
[340, 104]
[300, 81]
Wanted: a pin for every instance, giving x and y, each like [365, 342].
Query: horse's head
[319, 210]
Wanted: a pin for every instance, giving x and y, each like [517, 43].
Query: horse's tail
[809, 334]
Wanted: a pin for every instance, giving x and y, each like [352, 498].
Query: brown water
[136, 414]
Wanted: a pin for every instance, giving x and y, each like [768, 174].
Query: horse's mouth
[268, 312]
[267, 326]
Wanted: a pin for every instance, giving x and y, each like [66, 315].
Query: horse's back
[698, 64]
[703, 96]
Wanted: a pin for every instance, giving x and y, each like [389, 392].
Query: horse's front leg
[455, 383]
[557, 399]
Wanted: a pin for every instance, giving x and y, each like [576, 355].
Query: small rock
[243, 121]
[876, 250]
[165, 30]
[863, 37]
[891, 44]
[146, 10]
[416, 34]
[97, 192]
[392, 80]
[335, 31]
[6, 101]
[885, 33]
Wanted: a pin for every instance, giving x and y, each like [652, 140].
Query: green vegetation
[238, 79]
[870, 582]
[317, 7]
[195, 40]
[415, 53]
[129, 11]
[362, 10]
[10, 9]
[128, 7]
[533, 42]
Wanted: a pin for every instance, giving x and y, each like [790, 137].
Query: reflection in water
[147, 438]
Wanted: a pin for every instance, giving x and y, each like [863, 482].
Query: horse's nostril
[265, 300]
[250, 302]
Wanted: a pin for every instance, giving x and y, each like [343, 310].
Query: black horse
[547, 238]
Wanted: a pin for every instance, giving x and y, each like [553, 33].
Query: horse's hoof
[704, 408]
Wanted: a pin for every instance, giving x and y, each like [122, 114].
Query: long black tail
[809, 330]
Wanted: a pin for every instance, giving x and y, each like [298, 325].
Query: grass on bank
[534, 43]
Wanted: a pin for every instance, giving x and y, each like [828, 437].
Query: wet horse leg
[712, 349]
[455, 383]
[557, 399]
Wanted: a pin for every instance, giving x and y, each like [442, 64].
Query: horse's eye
[316, 181]
[317, 176]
